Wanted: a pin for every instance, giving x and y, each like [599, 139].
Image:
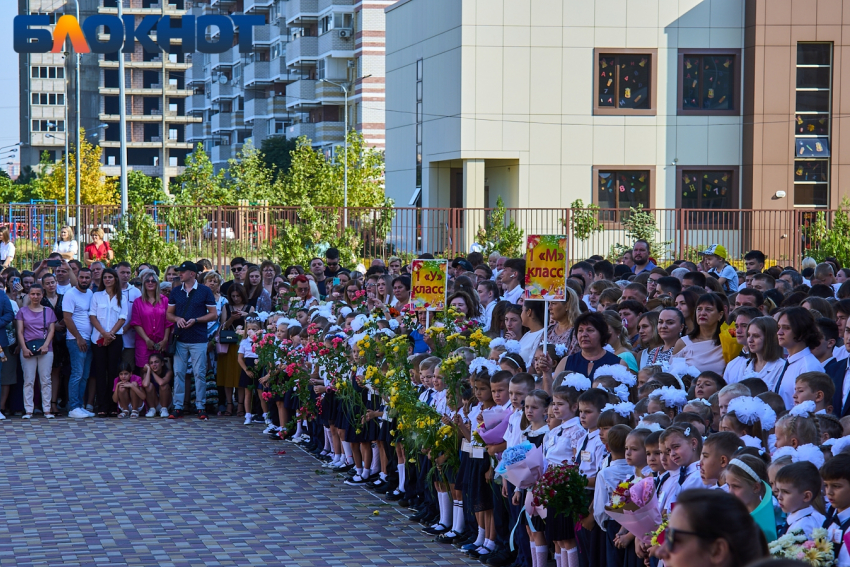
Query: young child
[702, 408]
[668, 400]
[606, 481]
[717, 451]
[799, 486]
[693, 419]
[729, 393]
[797, 428]
[683, 446]
[536, 413]
[707, 383]
[611, 416]
[128, 392]
[750, 419]
[157, 384]
[247, 360]
[589, 456]
[746, 479]
[836, 481]
[654, 452]
[817, 387]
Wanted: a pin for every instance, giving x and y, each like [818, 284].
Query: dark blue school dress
[577, 363]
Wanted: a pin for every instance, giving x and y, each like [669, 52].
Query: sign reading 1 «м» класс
[124, 32]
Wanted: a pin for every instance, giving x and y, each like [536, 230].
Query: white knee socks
[569, 557]
[459, 521]
[402, 478]
[446, 508]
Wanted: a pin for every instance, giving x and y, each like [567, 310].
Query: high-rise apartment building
[307, 55]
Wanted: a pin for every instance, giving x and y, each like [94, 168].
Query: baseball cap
[716, 250]
[188, 266]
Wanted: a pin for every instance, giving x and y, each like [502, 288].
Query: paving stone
[104, 492]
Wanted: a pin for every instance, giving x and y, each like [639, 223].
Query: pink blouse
[152, 320]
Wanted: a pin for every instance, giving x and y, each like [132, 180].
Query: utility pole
[79, 127]
[122, 123]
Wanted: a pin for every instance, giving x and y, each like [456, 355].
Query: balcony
[278, 107]
[281, 73]
[226, 59]
[169, 65]
[197, 132]
[258, 6]
[329, 132]
[219, 91]
[170, 90]
[172, 118]
[303, 50]
[301, 95]
[330, 94]
[196, 103]
[223, 152]
[197, 73]
[222, 122]
[301, 129]
[299, 12]
[263, 35]
[168, 144]
[256, 109]
[330, 43]
[325, 4]
[257, 73]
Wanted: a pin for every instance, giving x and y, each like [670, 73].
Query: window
[617, 189]
[320, 69]
[708, 82]
[343, 21]
[48, 126]
[625, 81]
[325, 24]
[47, 72]
[713, 188]
[812, 127]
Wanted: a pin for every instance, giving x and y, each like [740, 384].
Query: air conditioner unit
[345, 34]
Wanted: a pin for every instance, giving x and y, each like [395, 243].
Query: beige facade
[503, 98]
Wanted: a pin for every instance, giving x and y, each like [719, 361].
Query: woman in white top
[532, 319]
[765, 360]
[66, 246]
[7, 248]
[108, 314]
[701, 348]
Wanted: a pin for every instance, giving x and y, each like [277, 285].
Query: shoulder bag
[36, 344]
[172, 343]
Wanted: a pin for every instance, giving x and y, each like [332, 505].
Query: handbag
[228, 337]
[172, 343]
[36, 344]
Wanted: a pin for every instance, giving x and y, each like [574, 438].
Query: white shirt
[837, 536]
[487, 316]
[606, 481]
[803, 361]
[513, 295]
[107, 312]
[441, 403]
[735, 369]
[769, 373]
[63, 289]
[66, 247]
[590, 455]
[513, 434]
[807, 519]
[528, 345]
[692, 477]
[840, 352]
[561, 443]
[79, 304]
[246, 348]
[669, 492]
[586, 299]
[7, 250]
[128, 296]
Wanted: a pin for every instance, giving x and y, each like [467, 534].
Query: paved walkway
[155, 492]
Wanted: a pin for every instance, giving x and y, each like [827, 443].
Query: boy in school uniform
[588, 458]
[836, 479]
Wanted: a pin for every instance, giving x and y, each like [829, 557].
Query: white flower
[700, 401]
[803, 409]
[358, 323]
[672, 397]
[560, 349]
[609, 348]
[748, 410]
[622, 392]
[512, 346]
[807, 452]
[577, 381]
[649, 426]
[393, 324]
[751, 441]
[840, 444]
[617, 371]
[624, 409]
[497, 342]
[481, 363]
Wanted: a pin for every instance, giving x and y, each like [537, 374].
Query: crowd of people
[729, 389]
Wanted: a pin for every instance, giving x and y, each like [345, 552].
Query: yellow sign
[546, 268]
[428, 284]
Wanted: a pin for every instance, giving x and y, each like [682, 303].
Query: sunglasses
[671, 536]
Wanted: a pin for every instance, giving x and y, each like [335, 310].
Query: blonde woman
[7, 248]
[66, 246]
[563, 314]
[99, 250]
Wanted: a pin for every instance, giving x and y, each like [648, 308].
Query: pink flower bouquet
[640, 515]
[522, 465]
[493, 432]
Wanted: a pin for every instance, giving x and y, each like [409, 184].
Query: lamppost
[345, 88]
[122, 119]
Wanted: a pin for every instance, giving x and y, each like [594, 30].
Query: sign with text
[428, 284]
[546, 268]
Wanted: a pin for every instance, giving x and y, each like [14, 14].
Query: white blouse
[66, 247]
[107, 312]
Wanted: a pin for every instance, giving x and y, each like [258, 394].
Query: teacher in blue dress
[593, 334]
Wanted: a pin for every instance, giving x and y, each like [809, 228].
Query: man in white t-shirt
[130, 294]
[75, 305]
[513, 278]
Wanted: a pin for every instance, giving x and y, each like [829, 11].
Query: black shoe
[356, 481]
[202, 415]
[403, 503]
[376, 485]
[395, 496]
[430, 520]
[175, 414]
[439, 530]
[473, 554]
[417, 516]
[500, 558]
[343, 468]
[466, 539]
[447, 539]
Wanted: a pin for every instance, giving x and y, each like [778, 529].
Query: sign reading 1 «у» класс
[123, 32]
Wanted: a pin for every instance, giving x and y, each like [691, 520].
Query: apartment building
[688, 104]
[306, 57]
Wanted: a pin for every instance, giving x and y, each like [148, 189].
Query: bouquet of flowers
[817, 552]
[635, 507]
[522, 465]
[561, 488]
[657, 536]
[495, 424]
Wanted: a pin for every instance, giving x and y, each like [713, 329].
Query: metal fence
[221, 233]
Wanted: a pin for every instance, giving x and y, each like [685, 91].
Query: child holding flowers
[614, 476]
[247, 359]
[535, 414]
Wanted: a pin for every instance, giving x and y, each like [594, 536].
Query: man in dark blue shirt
[190, 307]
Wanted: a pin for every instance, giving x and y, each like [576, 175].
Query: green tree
[506, 238]
[97, 189]
[827, 239]
[277, 153]
[139, 240]
[144, 190]
[640, 225]
[200, 184]
[250, 177]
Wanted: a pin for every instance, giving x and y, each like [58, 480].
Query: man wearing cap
[190, 308]
[715, 257]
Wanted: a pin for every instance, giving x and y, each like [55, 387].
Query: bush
[825, 240]
[138, 240]
[506, 239]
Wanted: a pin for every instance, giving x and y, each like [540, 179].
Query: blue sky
[9, 117]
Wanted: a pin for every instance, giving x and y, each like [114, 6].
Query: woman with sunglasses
[710, 528]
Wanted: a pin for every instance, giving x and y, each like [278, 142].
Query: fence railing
[221, 233]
